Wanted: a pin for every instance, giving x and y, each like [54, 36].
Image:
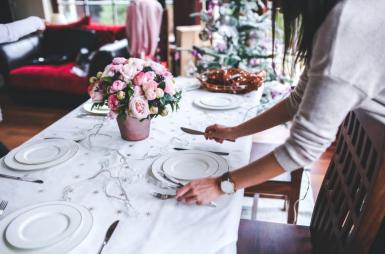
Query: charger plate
[157, 166]
[62, 247]
[12, 163]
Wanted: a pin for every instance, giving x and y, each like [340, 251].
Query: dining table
[111, 178]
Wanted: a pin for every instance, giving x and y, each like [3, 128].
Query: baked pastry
[232, 80]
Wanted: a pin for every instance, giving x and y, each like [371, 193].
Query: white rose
[159, 93]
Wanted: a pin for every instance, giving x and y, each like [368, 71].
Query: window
[108, 12]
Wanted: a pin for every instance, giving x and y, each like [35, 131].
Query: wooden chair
[349, 214]
[287, 189]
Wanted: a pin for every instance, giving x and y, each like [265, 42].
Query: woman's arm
[325, 104]
[278, 114]
[203, 191]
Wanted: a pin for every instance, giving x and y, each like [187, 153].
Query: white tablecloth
[153, 226]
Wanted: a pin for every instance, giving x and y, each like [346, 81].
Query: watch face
[227, 187]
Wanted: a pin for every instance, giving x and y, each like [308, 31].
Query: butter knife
[109, 233]
[195, 132]
[18, 178]
[218, 153]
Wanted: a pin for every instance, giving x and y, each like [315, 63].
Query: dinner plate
[10, 162]
[42, 151]
[190, 166]
[157, 165]
[43, 226]
[218, 101]
[103, 110]
[215, 101]
[61, 247]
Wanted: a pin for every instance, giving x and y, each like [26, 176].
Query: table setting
[85, 185]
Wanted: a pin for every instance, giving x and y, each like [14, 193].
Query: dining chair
[349, 214]
[286, 186]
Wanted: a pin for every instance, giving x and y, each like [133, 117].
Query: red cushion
[107, 33]
[57, 78]
[85, 21]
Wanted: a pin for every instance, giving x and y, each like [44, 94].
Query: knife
[218, 153]
[195, 132]
[109, 233]
[21, 179]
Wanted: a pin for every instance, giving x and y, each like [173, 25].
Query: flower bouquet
[135, 91]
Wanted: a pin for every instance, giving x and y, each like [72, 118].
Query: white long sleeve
[15, 30]
[345, 73]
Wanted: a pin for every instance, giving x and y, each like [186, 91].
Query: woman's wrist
[234, 132]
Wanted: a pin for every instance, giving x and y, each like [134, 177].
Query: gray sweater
[346, 72]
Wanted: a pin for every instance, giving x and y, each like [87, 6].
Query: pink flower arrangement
[136, 88]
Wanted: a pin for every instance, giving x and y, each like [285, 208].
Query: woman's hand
[199, 192]
[219, 133]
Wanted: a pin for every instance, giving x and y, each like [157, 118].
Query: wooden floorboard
[21, 122]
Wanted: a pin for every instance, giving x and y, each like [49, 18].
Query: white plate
[43, 226]
[157, 165]
[10, 162]
[87, 106]
[218, 101]
[42, 151]
[62, 247]
[214, 101]
[190, 166]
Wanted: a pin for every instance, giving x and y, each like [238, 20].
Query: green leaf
[108, 80]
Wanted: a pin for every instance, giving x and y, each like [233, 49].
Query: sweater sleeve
[13, 31]
[294, 100]
[325, 103]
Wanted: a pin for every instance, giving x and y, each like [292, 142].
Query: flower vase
[133, 129]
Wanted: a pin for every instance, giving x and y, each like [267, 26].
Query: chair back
[350, 208]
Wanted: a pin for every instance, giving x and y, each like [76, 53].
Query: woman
[342, 44]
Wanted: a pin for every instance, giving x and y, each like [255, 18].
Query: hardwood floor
[20, 122]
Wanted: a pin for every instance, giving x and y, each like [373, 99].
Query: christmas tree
[240, 35]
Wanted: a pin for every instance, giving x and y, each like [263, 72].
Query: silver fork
[3, 205]
[163, 196]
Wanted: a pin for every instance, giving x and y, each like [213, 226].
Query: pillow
[67, 42]
[85, 21]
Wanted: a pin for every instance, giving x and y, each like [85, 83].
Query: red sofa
[54, 83]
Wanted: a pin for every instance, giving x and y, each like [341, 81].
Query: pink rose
[113, 102]
[152, 85]
[132, 68]
[138, 91]
[169, 88]
[119, 60]
[108, 71]
[150, 94]
[138, 107]
[111, 70]
[117, 86]
[158, 68]
[144, 77]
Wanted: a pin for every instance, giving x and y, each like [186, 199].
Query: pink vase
[133, 129]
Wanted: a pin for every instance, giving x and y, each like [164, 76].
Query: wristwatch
[226, 184]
